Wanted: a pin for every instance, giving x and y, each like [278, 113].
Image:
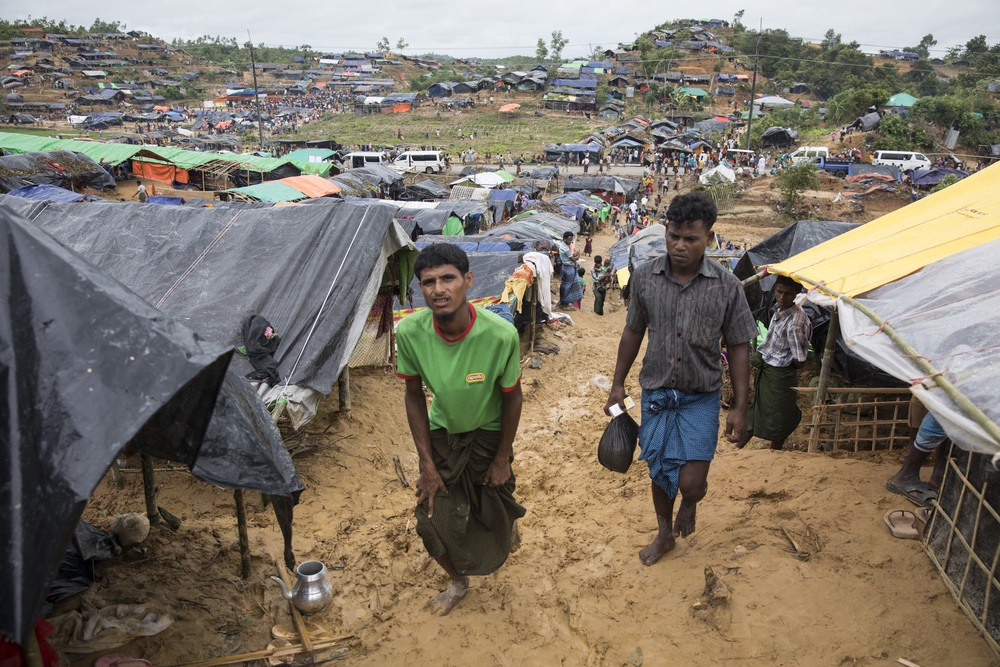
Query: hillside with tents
[205, 281]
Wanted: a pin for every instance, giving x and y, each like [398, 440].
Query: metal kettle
[312, 592]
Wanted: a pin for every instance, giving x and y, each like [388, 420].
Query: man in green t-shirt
[469, 358]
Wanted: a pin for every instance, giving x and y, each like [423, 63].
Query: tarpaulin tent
[613, 184]
[556, 224]
[484, 179]
[59, 168]
[718, 174]
[868, 122]
[76, 394]
[51, 193]
[773, 102]
[949, 311]
[934, 175]
[904, 100]
[428, 189]
[778, 137]
[312, 271]
[796, 238]
[946, 224]
[788, 242]
[270, 191]
[522, 230]
[418, 221]
[962, 216]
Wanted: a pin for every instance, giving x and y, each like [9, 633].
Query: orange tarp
[507, 108]
[164, 173]
[401, 107]
[311, 185]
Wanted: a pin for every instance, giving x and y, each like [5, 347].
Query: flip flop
[923, 514]
[902, 524]
[921, 494]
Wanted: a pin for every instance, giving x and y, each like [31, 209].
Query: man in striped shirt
[688, 305]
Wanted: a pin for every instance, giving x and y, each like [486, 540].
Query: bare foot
[446, 600]
[685, 521]
[515, 538]
[656, 549]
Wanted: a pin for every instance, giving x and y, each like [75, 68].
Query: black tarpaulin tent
[87, 368]
[428, 189]
[60, 168]
[781, 245]
[788, 242]
[312, 271]
[778, 137]
[868, 122]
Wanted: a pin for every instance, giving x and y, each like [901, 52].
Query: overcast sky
[463, 28]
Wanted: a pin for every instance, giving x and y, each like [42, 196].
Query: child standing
[582, 273]
[588, 248]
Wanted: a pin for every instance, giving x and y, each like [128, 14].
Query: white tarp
[773, 101]
[717, 174]
[483, 180]
[950, 313]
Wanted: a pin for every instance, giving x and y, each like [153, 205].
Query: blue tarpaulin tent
[43, 192]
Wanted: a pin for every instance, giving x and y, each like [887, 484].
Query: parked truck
[843, 168]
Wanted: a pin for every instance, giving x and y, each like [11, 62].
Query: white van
[811, 154]
[363, 159]
[905, 160]
[428, 162]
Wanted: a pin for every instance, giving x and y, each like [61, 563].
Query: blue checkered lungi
[677, 427]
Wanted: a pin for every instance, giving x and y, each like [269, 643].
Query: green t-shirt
[467, 375]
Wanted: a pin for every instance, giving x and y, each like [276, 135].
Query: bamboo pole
[149, 489]
[824, 378]
[960, 399]
[755, 278]
[300, 624]
[284, 651]
[344, 389]
[241, 528]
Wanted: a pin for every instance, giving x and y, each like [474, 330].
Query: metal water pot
[312, 592]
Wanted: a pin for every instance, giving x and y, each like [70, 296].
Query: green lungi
[473, 523]
[775, 412]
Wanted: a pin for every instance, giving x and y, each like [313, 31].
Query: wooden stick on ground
[282, 652]
[241, 529]
[300, 625]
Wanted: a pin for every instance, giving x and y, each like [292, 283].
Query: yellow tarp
[962, 216]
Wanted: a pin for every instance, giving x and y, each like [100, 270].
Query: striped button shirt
[686, 323]
[787, 338]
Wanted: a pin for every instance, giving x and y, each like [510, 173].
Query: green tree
[847, 105]
[401, 44]
[738, 21]
[794, 181]
[923, 48]
[557, 44]
[383, 45]
[831, 39]
[541, 51]
[975, 46]
[950, 179]
[99, 26]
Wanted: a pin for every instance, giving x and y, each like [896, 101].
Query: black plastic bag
[618, 442]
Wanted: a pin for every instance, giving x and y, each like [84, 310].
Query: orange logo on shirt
[475, 377]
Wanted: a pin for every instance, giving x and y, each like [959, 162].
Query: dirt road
[575, 593]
